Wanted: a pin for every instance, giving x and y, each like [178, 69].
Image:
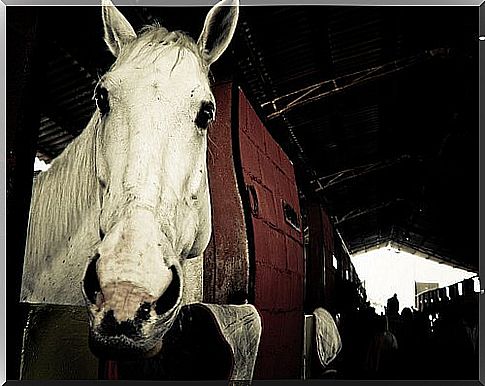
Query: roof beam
[432, 255]
[356, 213]
[282, 104]
[326, 182]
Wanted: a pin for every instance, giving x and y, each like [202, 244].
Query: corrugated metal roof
[413, 117]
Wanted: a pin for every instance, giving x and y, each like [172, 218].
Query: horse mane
[153, 40]
[62, 195]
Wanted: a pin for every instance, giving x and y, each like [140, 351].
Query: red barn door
[277, 263]
[256, 248]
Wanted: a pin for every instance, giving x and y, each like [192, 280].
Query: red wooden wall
[278, 261]
[226, 259]
[321, 274]
[254, 250]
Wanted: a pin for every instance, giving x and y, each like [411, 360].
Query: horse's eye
[205, 115]
[102, 99]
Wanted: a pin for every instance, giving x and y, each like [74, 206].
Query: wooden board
[321, 273]
[56, 344]
[277, 254]
[226, 259]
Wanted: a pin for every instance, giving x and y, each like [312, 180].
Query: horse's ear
[117, 30]
[218, 30]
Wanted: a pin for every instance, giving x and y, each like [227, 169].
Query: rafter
[320, 90]
[325, 182]
[358, 212]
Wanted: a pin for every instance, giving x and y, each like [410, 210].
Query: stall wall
[321, 272]
[226, 259]
[278, 261]
[256, 252]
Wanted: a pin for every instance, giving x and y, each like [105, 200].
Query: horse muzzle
[126, 322]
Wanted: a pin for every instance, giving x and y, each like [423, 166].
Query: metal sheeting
[382, 73]
[67, 104]
[396, 82]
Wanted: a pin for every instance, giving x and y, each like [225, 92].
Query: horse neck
[64, 195]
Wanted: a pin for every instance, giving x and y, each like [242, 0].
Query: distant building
[423, 287]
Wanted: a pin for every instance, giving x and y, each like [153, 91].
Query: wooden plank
[226, 260]
[23, 121]
[277, 247]
[56, 344]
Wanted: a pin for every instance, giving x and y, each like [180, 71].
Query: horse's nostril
[91, 284]
[143, 312]
[169, 298]
[111, 327]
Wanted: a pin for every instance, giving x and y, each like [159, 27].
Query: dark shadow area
[193, 349]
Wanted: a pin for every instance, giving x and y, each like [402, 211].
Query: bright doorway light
[388, 271]
[40, 166]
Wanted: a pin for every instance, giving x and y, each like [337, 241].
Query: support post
[23, 121]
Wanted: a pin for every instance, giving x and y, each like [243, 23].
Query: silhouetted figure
[393, 306]
[424, 364]
[357, 329]
[455, 342]
[381, 354]
[408, 346]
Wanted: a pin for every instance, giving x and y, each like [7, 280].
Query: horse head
[154, 108]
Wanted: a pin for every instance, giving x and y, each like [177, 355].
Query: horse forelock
[153, 41]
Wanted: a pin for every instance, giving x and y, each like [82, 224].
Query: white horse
[115, 219]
